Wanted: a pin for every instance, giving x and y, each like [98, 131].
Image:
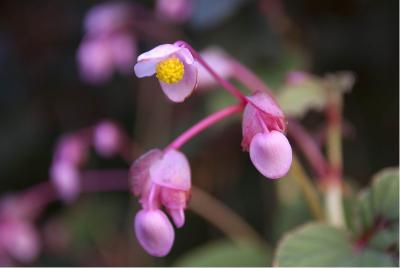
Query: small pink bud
[154, 232]
[71, 148]
[271, 154]
[107, 138]
[65, 177]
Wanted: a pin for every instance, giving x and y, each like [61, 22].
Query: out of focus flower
[174, 10]
[66, 179]
[295, 78]
[107, 138]
[109, 44]
[175, 68]
[263, 127]
[160, 179]
[220, 61]
[19, 240]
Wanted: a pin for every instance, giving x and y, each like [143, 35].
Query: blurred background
[43, 95]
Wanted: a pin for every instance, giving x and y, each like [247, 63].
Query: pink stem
[40, 195]
[203, 124]
[309, 148]
[248, 78]
[223, 82]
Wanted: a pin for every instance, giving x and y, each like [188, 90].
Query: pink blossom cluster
[161, 178]
[72, 151]
[109, 44]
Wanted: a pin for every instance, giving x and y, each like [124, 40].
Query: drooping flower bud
[154, 232]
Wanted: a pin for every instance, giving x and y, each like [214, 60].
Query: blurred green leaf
[297, 100]
[318, 244]
[225, 253]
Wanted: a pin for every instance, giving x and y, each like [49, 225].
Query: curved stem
[308, 189]
[248, 78]
[203, 124]
[223, 82]
[309, 148]
[223, 218]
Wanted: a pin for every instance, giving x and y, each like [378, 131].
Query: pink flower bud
[107, 138]
[154, 232]
[95, 61]
[271, 154]
[71, 148]
[65, 177]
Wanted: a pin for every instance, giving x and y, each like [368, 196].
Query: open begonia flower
[175, 68]
[262, 128]
[160, 179]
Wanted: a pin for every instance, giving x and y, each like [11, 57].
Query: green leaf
[225, 253]
[297, 100]
[385, 194]
[318, 244]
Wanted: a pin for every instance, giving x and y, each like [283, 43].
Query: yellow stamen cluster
[170, 71]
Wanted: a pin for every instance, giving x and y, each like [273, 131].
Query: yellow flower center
[170, 71]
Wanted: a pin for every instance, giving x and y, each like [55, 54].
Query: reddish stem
[362, 242]
[309, 148]
[203, 124]
[223, 82]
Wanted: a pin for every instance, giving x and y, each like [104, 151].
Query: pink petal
[172, 171]
[107, 138]
[250, 125]
[176, 10]
[65, 177]
[178, 92]
[178, 216]
[271, 154]
[140, 174]
[266, 104]
[154, 232]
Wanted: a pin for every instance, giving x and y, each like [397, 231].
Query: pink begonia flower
[160, 179]
[175, 68]
[19, 239]
[174, 10]
[263, 124]
[107, 138]
[220, 61]
[66, 179]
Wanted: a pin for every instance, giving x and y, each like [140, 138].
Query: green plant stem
[333, 190]
[310, 193]
[223, 218]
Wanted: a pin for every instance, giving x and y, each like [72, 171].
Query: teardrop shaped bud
[271, 154]
[154, 232]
